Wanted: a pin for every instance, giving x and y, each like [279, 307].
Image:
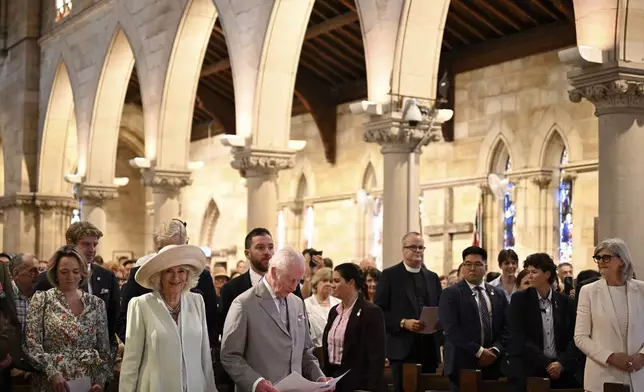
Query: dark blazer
[459, 316]
[525, 348]
[205, 287]
[395, 296]
[364, 348]
[105, 286]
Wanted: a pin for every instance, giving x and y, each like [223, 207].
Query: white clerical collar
[410, 269]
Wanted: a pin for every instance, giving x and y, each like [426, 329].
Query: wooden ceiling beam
[483, 4]
[466, 25]
[350, 4]
[457, 34]
[477, 16]
[545, 9]
[564, 10]
[312, 32]
[222, 109]
[536, 40]
[519, 11]
[315, 97]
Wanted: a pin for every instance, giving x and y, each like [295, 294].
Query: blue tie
[486, 322]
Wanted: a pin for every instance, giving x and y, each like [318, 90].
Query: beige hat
[219, 272]
[168, 257]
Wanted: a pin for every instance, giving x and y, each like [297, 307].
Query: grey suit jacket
[255, 343]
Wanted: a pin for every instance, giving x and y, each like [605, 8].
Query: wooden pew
[414, 380]
[472, 381]
[610, 387]
[537, 384]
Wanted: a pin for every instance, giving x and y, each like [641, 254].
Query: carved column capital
[17, 200]
[610, 95]
[253, 162]
[166, 180]
[62, 203]
[95, 193]
[541, 180]
[396, 135]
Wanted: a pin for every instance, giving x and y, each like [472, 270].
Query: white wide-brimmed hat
[168, 257]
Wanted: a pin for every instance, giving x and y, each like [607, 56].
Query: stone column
[92, 199]
[541, 214]
[55, 215]
[618, 96]
[21, 217]
[166, 189]
[260, 168]
[401, 148]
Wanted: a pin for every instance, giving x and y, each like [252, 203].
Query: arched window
[509, 212]
[565, 213]
[63, 8]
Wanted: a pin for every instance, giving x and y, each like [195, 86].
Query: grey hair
[286, 257]
[618, 248]
[18, 262]
[191, 282]
[172, 232]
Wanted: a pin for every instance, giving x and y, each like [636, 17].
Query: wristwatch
[402, 323]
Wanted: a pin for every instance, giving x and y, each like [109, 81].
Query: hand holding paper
[429, 317]
[294, 382]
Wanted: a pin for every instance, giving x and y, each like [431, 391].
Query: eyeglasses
[473, 265]
[415, 248]
[603, 258]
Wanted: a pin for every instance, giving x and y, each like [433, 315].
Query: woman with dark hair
[523, 280]
[508, 262]
[373, 276]
[354, 336]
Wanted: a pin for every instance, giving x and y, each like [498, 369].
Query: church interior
[338, 125]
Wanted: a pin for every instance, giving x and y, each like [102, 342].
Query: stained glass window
[509, 212]
[565, 213]
[63, 8]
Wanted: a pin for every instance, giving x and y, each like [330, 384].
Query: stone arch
[302, 188]
[502, 134]
[498, 156]
[303, 170]
[169, 142]
[369, 181]
[208, 224]
[554, 120]
[369, 159]
[552, 149]
[59, 139]
[102, 144]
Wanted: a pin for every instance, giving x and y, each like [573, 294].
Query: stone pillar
[54, 217]
[92, 199]
[618, 96]
[21, 217]
[166, 190]
[401, 148]
[260, 168]
[541, 214]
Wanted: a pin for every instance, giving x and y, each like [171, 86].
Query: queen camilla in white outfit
[610, 321]
[167, 347]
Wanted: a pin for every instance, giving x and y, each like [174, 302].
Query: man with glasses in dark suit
[402, 292]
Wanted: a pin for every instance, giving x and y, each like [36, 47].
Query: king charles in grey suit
[266, 333]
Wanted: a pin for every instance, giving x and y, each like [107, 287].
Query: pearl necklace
[174, 312]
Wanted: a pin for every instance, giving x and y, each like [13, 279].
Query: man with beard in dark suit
[258, 249]
[402, 292]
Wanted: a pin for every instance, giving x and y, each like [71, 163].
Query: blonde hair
[321, 275]
[66, 251]
[191, 282]
[170, 233]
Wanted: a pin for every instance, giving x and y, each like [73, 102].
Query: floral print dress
[57, 341]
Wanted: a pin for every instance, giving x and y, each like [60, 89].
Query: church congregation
[406, 195]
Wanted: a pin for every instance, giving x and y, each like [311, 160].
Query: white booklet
[294, 382]
[429, 316]
[80, 384]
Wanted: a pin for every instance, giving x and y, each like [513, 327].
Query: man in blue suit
[473, 315]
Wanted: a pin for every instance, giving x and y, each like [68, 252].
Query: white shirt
[89, 278]
[547, 323]
[497, 283]
[255, 278]
[489, 309]
[318, 316]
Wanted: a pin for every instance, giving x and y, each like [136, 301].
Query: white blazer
[597, 334]
[153, 349]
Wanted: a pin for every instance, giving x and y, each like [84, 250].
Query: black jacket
[525, 348]
[105, 286]
[396, 297]
[459, 316]
[364, 348]
[205, 287]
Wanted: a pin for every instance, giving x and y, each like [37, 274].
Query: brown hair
[78, 230]
[66, 251]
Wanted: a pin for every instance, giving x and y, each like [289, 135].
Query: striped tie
[486, 322]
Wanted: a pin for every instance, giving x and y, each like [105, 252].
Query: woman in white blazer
[610, 321]
[167, 346]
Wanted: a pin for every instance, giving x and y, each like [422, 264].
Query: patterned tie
[284, 312]
[485, 315]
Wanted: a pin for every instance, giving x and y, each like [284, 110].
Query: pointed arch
[108, 109]
[170, 141]
[488, 161]
[302, 169]
[369, 181]
[553, 149]
[58, 143]
[208, 224]
[559, 121]
[302, 188]
[499, 156]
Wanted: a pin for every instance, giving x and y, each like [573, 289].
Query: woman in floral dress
[67, 336]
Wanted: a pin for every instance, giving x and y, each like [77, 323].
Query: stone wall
[520, 102]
